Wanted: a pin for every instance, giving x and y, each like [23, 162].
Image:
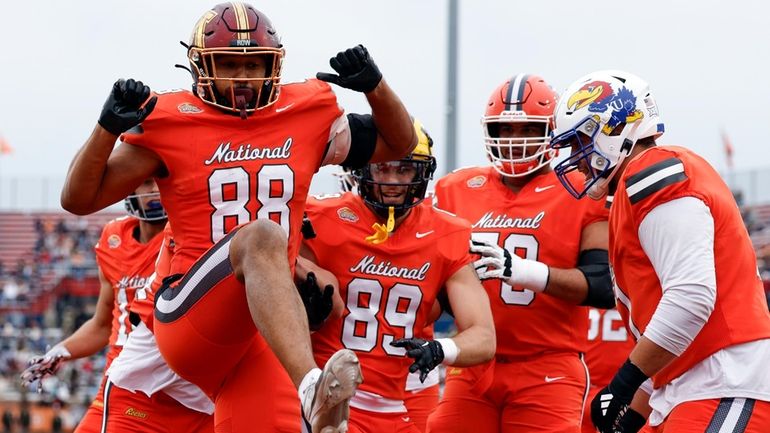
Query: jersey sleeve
[105, 260]
[315, 215]
[596, 211]
[440, 199]
[656, 177]
[454, 249]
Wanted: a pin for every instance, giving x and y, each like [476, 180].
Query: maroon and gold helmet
[235, 28]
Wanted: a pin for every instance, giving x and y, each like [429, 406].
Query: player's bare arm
[573, 285]
[474, 344]
[395, 135]
[87, 340]
[101, 174]
[94, 334]
[476, 337]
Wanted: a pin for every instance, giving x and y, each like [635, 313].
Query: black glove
[631, 422]
[357, 70]
[611, 403]
[123, 109]
[318, 305]
[426, 354]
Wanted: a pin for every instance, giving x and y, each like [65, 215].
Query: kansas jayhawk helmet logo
[599, 97]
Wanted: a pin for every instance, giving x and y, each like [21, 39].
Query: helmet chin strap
[382, 231]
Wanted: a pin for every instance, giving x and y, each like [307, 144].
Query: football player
[389, 281]
[125, 255]
[544, 256]
[422, 396]
[142, 394]
[684, 267]
[240, 151]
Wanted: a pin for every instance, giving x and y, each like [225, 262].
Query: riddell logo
[476, 182]
[136, 413]
[346, 214]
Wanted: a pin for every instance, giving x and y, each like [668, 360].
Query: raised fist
[356, 68]
[123, 109]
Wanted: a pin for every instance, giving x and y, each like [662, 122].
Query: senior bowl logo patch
[113, 241]
[477, 181]
[346, 214]
[188, 108]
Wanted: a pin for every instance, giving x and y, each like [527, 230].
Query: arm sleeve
[678, 239]
[363, 140]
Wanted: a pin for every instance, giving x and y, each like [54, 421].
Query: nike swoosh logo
[553, 379]
[537, 189]
[278, 110]
[422, 235]
[405, 418]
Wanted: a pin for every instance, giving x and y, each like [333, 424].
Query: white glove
[497, 262]
[42, 366]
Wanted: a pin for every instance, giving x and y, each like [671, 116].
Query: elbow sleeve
[594, 264]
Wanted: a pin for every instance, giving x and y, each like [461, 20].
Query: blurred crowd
[33, 318]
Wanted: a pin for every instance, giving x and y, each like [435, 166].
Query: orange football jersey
[609, 344]
[542, 222]
[128, 265]
[144, 305]
[224, 171]
[389, 288]
[659, 175]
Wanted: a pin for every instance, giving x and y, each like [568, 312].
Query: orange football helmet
[527, 99]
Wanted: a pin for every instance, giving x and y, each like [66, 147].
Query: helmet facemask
[241, 98]
[152, 211]
[517, 156]
[378, 181]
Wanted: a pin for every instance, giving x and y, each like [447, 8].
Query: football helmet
[421, 162]
[235, 28]
[524, 98]
[601, 116]
[152, 211]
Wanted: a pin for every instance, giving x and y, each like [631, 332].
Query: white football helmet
[601, 116]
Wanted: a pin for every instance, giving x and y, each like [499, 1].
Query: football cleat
[325, 406]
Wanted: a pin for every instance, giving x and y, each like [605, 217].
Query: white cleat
[326, 404]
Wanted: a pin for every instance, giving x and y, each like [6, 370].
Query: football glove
[426, 354]
[356, 68]
[610, 406]
[123, 109]
[497, 262]
[631, 422]
[318, 304]
[42, 366]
